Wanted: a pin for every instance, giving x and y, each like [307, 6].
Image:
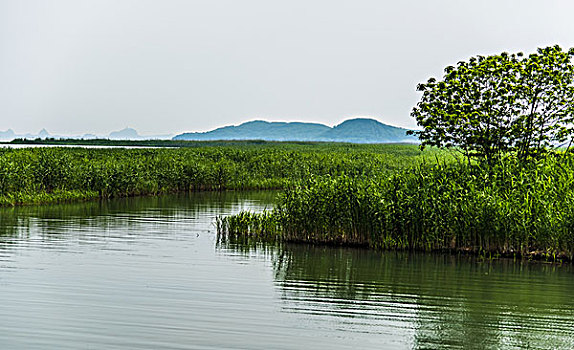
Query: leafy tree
[499, 104]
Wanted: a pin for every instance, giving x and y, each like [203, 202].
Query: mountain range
[124, 134]
[358, 130]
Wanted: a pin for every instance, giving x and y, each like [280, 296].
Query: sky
[170, 66]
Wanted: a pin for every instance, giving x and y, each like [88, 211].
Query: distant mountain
[125, 134]
[364, 130]
[359, 130]
[10, 135]
[7, 135]
[132, 134]
[43, 134]
[261, 130]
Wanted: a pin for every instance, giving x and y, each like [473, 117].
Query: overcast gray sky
[167, 66]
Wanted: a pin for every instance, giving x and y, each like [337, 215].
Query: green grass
[510, 209]
[44, 175]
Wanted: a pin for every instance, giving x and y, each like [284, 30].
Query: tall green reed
[50, 174]
[509, 208]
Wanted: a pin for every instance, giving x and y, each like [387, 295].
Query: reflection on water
[441, 300]
[148, 273]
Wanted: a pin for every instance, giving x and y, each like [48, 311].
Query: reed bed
[509, 208]
[41, 175]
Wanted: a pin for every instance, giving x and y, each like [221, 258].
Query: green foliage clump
[508, 103]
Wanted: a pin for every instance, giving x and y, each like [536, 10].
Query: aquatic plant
[510, 208]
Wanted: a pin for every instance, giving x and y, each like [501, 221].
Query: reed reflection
[434, 300]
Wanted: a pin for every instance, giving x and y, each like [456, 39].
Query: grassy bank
[43, 175]
[510, 209]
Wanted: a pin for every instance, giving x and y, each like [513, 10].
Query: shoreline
[537, 256]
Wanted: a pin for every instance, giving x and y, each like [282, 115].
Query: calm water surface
[149, 273]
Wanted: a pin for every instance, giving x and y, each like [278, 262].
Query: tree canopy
[490, 105]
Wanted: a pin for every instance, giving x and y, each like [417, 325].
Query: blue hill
[359, 130]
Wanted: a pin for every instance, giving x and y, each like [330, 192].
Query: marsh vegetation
[510, 209]
[40, 175]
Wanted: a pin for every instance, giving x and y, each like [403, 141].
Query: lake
[150, 273]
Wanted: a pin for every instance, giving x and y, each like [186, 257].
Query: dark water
[149, 273]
